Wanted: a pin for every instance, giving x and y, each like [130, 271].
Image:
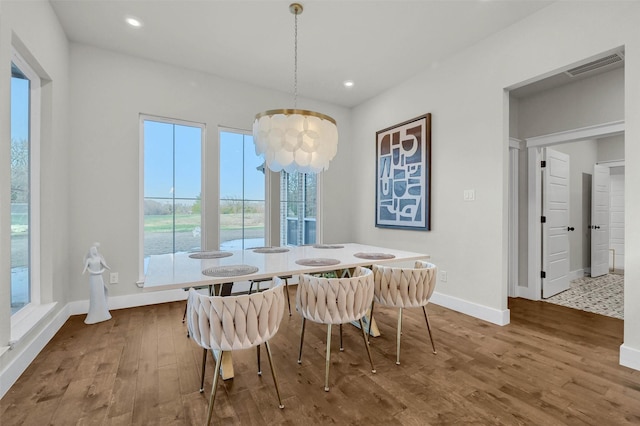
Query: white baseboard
[30, 350]
[80, 307]
[482, 312]
[629, 357]
[574, 275]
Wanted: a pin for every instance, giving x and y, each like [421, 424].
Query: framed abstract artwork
[403, 175]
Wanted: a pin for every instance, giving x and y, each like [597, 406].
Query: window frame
[319, 220]
[34, 141]
[267, 188]
[141, 169]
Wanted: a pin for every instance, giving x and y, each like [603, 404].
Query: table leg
[375, 332]
[226, 365]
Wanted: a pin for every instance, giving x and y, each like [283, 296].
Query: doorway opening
[594, 251]
[551, 110]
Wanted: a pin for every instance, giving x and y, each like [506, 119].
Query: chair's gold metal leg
[328, 360]
[273, 373]
[426, 317]
[301, 340]
[341, 347]
[214, 387]
[259, 366]
[204, 364]
[371, 317]
[398, 335]
[366, 345]
[286, 291]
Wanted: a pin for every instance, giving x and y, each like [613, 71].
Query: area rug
[601, 295]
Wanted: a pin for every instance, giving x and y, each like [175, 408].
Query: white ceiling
[377, 44]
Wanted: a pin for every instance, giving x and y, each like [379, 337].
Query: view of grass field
[160, 238]
[189, 222]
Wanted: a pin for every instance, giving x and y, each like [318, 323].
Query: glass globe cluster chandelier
[295, 140]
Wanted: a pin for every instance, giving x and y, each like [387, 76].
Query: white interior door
[616, 221]
[600, 221]
[556, 228]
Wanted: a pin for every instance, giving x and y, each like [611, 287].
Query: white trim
[319, 210]
[574, 275]
[590, 132]
[516, 143]
[141, 119]
[629, 357]
[28, 318]
[482, 312]
[204, 225]
[10, 374]
[513, 254]
[534, 286]
[79, 307]
[611, 163]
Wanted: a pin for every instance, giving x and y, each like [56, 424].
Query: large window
[172, 204]
[25, 102]
[298, 209]
[242, 193]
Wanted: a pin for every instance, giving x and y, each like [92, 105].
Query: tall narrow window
[242, 193]
[298, 210]
[172, 186]
[20, 190]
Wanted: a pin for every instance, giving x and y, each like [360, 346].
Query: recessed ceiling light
[348, 83]
[134, 22]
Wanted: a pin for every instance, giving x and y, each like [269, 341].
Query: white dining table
[185, 270]
[180, 270]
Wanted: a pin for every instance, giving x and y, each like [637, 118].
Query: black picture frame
[403, 175]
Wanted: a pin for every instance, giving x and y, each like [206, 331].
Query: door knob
[596, 227]
[571, 228]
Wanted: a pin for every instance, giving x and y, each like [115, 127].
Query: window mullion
[173, 188]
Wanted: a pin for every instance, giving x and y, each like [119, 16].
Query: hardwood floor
[552, 365]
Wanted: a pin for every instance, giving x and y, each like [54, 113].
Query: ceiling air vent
[595, 65]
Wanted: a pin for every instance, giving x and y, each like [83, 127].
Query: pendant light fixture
[295, 140]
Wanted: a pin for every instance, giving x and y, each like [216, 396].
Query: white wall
[109, 92]
[611, 148]
[594, 100]
[470, 145]
[34, 29]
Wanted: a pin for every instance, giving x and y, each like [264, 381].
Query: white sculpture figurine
[96, 265]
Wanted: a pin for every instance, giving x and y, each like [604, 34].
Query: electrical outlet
[469, 195]
[443, 276]
[113, 278]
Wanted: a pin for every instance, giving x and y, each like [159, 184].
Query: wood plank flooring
[552, 365]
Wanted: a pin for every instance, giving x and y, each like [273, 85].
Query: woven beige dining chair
[232, 323]
[335, 301]
[404, 288]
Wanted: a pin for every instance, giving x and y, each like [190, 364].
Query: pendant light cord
[295, 62]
